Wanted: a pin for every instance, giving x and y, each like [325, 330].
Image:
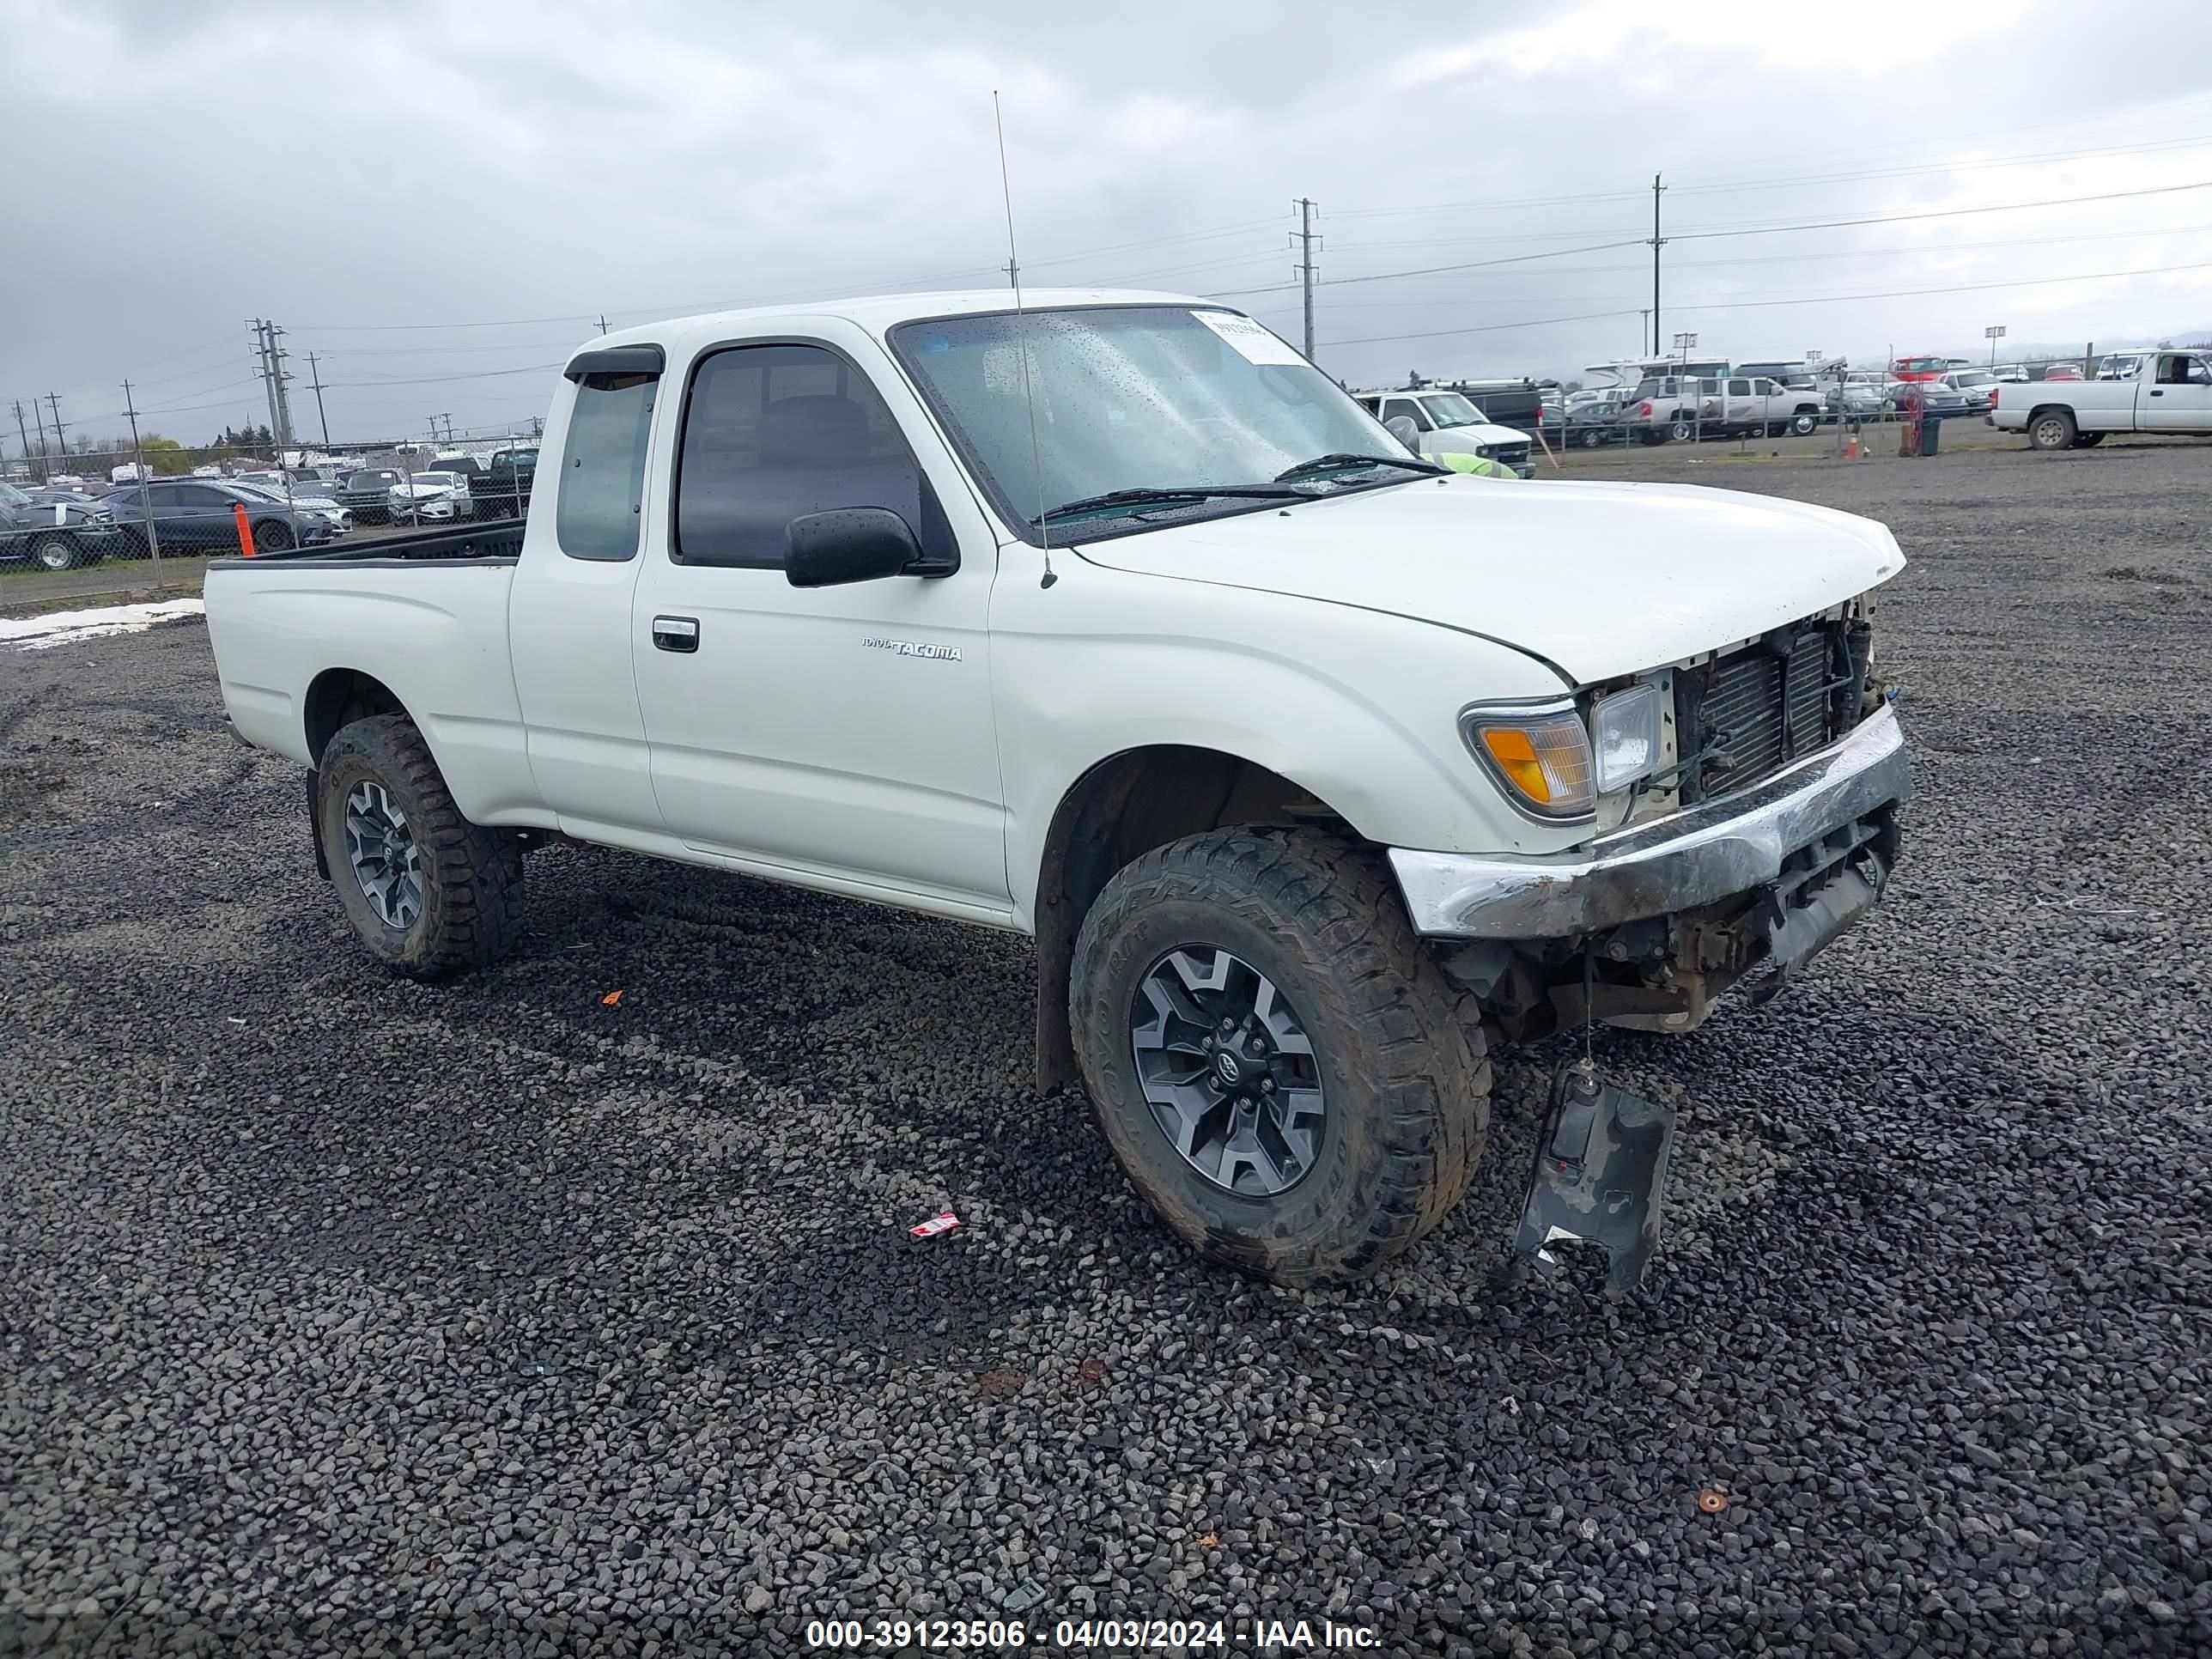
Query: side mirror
[848, 544]
[1401, 427]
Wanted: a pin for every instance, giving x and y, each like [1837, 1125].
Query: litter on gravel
[54, 628]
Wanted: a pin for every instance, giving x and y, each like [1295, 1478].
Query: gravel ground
[342, 1316]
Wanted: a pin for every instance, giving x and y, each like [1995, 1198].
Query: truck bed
[457, 544]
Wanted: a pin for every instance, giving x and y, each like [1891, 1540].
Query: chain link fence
[85, 503]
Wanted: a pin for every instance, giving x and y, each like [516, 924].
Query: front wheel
[2053, 430]
[431, 894]
[1805, 423]
[56, 553]
[273, 536]
[1276, 1060]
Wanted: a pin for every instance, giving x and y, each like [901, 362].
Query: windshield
[1129, 398]
[1448, 409]
[13, 496]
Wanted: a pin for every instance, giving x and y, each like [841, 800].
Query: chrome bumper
[1692, 856]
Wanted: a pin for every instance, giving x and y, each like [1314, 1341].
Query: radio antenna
[1022, 342]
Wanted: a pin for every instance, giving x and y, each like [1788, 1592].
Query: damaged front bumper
[1698, 856]
[1643, 928]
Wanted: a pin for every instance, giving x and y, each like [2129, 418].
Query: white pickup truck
[1311, 769]
[2171, 392]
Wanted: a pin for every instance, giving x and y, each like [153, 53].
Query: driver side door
[2176, 395]
[841, 736]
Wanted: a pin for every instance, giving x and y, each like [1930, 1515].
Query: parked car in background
[366, 493]
[2009, 373]
[1921, 369]
[2063, 372]
[1449, 424]
[58, 535]
[2122, 365]
[200, 515]
[1978, 384]
[429, 498]
[1858, 399]
[1594, 425]
[503, 491]
[2173, 395]
[303, 498]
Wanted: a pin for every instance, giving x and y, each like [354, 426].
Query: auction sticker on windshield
[1253, 342]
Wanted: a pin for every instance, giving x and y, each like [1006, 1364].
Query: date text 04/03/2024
[1285, 1636]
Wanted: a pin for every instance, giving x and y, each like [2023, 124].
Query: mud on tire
[1405, 1078]
[470, 876]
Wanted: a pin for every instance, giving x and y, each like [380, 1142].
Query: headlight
[1542, 758]
[1624, 736]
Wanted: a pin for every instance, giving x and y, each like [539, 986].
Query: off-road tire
[472, 876]
[1405, 1071]
[2053, 429]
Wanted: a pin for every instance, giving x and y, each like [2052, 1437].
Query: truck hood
[1596, 580]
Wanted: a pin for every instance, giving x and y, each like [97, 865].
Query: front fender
[1357, 707]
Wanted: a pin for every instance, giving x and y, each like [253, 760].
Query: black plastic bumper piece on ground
[1601, 1173]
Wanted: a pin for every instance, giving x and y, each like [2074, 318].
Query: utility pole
[1657, 242]
[24, 436]
[61, 444]
[145, 502]
[1305, 268]
[315, 377]
[265, 350]
[46, 454]
[277, 356]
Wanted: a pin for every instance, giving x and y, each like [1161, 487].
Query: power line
[1809, 299]
[1712, 232]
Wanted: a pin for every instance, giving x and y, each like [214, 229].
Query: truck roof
[879, 312]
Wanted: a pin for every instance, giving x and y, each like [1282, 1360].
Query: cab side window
[1394, 407]
[773, 433]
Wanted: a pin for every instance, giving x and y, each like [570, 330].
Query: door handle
[2155, 393]
[676, 634]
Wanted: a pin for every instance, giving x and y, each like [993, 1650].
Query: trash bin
[1931, 427]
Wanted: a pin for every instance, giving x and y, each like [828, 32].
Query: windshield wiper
[1344, 462]
[1152, 497]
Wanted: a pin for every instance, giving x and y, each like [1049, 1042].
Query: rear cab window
[599, 505]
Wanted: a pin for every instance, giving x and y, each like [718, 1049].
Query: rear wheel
[1592, 439]
[2053, 429]
[431, 894]
[1680, 432]
[56, 553]
[1276, 1060]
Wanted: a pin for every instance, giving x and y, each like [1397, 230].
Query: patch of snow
[67, 627]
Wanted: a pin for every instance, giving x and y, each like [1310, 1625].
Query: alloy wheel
[381, 849]
[1228, 1070]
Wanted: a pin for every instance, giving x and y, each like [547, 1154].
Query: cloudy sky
[439, 201]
